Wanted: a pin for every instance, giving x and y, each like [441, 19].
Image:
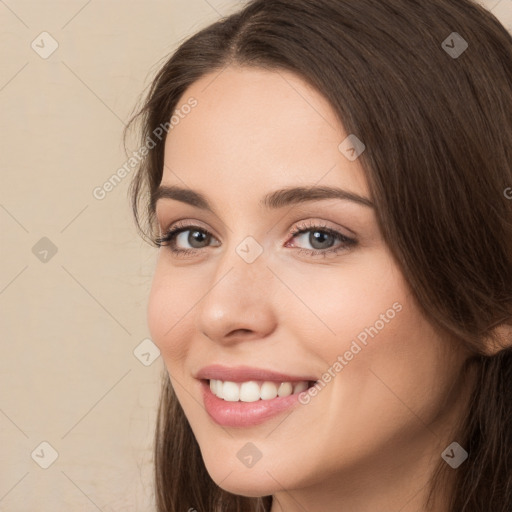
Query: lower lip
[244, 414]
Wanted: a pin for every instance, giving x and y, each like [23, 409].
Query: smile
[252, 391]
[250, 403]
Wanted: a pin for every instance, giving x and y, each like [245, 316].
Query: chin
[246, 482]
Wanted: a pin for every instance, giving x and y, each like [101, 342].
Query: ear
[498, 339]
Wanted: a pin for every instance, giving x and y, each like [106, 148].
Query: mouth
[244, 396]
[250, 403]
[255, 390]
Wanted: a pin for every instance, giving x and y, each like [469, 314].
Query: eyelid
[345, 242]
[313, 222]
[185, 222]
[299, 230]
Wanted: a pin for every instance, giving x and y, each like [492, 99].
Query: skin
[371, 437]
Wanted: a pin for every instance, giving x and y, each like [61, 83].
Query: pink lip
[244, 414]
[245, 373]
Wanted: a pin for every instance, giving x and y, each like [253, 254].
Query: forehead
[254, 129]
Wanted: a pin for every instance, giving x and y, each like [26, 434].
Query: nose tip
[237, 307]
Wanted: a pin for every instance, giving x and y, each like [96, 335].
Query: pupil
[316, 237]
[195, 237]
[319, 236]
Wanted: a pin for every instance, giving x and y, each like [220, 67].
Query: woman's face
[252, 294]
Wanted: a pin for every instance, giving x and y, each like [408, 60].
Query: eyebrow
[273, 200]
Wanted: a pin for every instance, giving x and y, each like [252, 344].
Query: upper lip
[246, 373]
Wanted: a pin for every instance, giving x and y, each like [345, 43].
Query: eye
[320, 237]
[185, 233]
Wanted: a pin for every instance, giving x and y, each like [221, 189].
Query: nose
[237, 304]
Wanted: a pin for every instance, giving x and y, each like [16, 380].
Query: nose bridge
[238, 294]
[244, 256]
[242, 271]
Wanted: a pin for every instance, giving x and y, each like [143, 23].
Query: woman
[332, 297]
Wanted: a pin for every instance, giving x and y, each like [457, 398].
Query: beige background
[70, 322]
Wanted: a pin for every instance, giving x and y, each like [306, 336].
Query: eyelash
[172, 233]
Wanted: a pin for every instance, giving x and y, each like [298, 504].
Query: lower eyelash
[171, 235]
[346, 242]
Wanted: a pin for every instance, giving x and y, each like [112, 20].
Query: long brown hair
[437, 125]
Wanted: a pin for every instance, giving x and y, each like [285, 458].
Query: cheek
[378, 331]
[167, 315]
[362, 301]
[393, 368]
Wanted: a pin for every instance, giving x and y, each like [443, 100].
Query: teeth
[268, 391]
[252, 391]
[231, 391]
[249, 391]
[300, 387]
[285, 389]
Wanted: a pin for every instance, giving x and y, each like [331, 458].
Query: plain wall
[71, 321]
